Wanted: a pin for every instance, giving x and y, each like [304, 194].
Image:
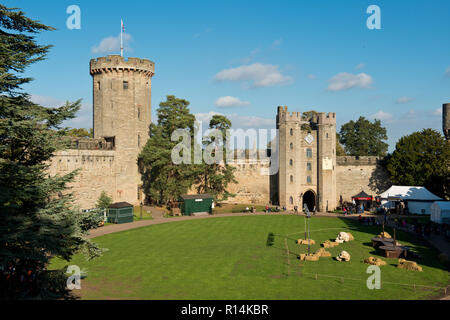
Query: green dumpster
[196, 203]
[120, 212]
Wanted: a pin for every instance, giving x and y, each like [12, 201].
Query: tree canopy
[214, 178]
[163, 180]
[363, 138]
[422, 159]
[37, 217]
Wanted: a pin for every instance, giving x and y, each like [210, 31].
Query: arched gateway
[309, 198]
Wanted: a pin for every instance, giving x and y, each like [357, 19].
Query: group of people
[21, 279]
[370, 221]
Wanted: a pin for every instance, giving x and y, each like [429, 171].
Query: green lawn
[237, 208]
[227, 258]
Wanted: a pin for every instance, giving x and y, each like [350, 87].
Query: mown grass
[228, 258]
[237, 208]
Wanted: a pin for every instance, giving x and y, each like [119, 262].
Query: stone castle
[309, 171]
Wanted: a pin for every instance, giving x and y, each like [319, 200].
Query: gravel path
[159, 218]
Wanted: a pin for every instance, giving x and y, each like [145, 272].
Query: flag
[123, 27]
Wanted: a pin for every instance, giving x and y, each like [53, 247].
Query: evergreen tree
[214, 178]
[37, 218]
[422, 159]
[104, 201]
[364, 138]
[163, 180]
[339, 148]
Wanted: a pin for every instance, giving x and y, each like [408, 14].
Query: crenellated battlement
[116, 63]
[326, 118]
[285, 116]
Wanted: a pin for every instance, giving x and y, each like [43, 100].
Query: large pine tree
[37, 218]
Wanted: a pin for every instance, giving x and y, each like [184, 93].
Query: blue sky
[244, 58]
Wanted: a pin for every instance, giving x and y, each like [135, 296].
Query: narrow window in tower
[139, 140]
[292, 132]
[327, 135]
[125, 85]
[292, 146]
[308, 166]
[98, 85]
[308, 153]
[292, 178]
[291, 162]
[139, 113]
[308, 179]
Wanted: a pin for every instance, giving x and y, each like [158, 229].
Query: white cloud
[229, 101]
[261, 75]
[360, 66]
[112, 44]
[437, 112]
[381, 115]
[312, 76]
[447, 72]
[238, 121]
[45, 101]
[344, 81]
[83, 117]
[402, 100]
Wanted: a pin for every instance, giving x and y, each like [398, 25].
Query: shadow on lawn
[428, 254]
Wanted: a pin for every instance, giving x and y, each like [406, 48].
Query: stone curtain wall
[252, 187]
[97, 174]
[355, 174]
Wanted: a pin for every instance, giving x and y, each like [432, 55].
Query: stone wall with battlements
[356, 174]
[97, 173]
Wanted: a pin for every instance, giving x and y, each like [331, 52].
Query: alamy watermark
[219, 148]
[74, 20]
[374, 280]
[374, 20]
[74, 280]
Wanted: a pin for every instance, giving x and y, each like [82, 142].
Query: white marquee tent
[440, 212]
[419, 199]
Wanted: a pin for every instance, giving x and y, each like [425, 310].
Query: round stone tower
[122, 115]
[446, 120]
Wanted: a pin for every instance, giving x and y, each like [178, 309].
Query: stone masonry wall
[356, 174]
[97, 174]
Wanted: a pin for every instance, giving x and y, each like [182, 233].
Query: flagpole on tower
[121, 37]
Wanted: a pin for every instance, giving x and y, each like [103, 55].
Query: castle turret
[446, 120]
[122, 115]
[326, 161]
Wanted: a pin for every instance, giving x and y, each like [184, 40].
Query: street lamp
[141, 209]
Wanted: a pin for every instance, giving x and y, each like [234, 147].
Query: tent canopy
[362, 196]
[409, 193]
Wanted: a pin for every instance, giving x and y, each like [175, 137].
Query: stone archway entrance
[309, 198]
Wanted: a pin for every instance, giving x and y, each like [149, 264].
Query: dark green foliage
[270, 239]
[164, 181]
[104, 201]
[215, 178]
[37, 218]
[422, 159]
[339, 149]
[364, 138]
[79, 133]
